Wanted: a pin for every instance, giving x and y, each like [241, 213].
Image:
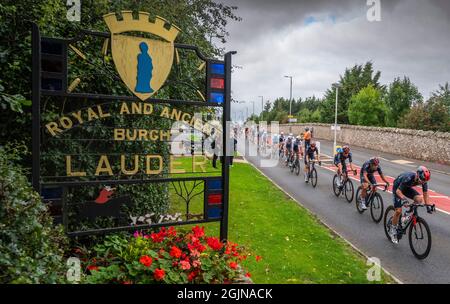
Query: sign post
[109, 143]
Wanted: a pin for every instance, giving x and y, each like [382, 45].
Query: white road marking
[402, 162]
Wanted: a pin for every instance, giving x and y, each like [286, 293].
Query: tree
[401, 95]
[367, 108]
[353, 80]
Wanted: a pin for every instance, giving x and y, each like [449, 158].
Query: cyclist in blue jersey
[404, 188]
[339, 162]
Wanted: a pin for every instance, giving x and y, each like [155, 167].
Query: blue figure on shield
[144, 70]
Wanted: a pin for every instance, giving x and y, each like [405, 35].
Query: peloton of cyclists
[367, 178]
[339, 161]
[403, 188]
[309, 155]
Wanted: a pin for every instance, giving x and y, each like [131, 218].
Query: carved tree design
[187, 193]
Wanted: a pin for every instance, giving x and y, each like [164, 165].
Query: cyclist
[404, 188]
[307, 138]
[297, 147]
[339, 161]
[366, 176]
[309, 155]
[288, 146]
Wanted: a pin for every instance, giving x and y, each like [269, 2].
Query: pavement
[360, 230]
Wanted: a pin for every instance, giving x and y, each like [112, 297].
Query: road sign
[337, 129]
[292, 120]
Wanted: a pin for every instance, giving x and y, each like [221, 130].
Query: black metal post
[226, 117]
[36, 103]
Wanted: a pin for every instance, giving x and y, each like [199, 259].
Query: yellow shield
[143, 64]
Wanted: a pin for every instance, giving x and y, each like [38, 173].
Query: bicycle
[295, 165]
[374, 201]
[418, 228]
[312, 172]
[346, 186]
[287, 158]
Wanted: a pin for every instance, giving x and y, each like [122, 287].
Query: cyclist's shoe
[393, 234]
[430, 209]
[306, 178]
[362, 205]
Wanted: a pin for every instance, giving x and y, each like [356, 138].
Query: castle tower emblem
[143, 63]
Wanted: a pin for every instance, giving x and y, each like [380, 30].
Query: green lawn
[294, 246]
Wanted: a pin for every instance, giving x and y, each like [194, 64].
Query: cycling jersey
[297, 145]
[310, 153]
[366, 168]
[289, 143]
[281, 139]
[405, 182]
[341, 158]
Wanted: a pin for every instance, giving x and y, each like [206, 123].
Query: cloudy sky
[314, 41]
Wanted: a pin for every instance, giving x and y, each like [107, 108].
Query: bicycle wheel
[297, 168]
[420, 238]
[313, 177]
[358, 200]
[376, 208]
[349, 190]
[337, 190]
[388, 215]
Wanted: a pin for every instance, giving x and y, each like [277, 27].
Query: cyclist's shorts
[296, 148]
[371, 178]
[311, 157]
[409, 193]
[288, 146]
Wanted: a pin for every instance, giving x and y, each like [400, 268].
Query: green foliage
[353, 81]
[168, 256]
[434, 115]
[401, 95]
[367, 108]
[31, 248]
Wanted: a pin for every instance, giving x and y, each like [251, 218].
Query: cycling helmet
[423, 174]
[298, 137]
[313, 144]
[346, 149]
[375, 161]
[306, 129]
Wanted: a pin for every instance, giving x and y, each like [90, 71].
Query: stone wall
[416, 144]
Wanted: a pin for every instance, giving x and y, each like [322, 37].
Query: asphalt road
[360, 230]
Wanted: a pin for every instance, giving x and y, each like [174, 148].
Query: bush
[167, 256]
[30, 246]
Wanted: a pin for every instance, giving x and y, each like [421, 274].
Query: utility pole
[290, 96]
[337, 86]
[262, 106]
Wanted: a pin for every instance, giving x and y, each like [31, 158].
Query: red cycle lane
[442, 201]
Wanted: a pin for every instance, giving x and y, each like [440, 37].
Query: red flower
[258, 258]
[127, 283]
[185, 265]
[157, 237]
[233, 265]
[175, 252]
[198, 232]
[159, 274]
[172, 231]
[192, 276]
[92, 268]
[248, 275]
[146, 260]
[214, 243]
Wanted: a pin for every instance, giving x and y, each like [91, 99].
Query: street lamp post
[262, 106]
[290, 96]
[337, 86]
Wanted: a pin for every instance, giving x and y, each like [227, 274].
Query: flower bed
[167, 256]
